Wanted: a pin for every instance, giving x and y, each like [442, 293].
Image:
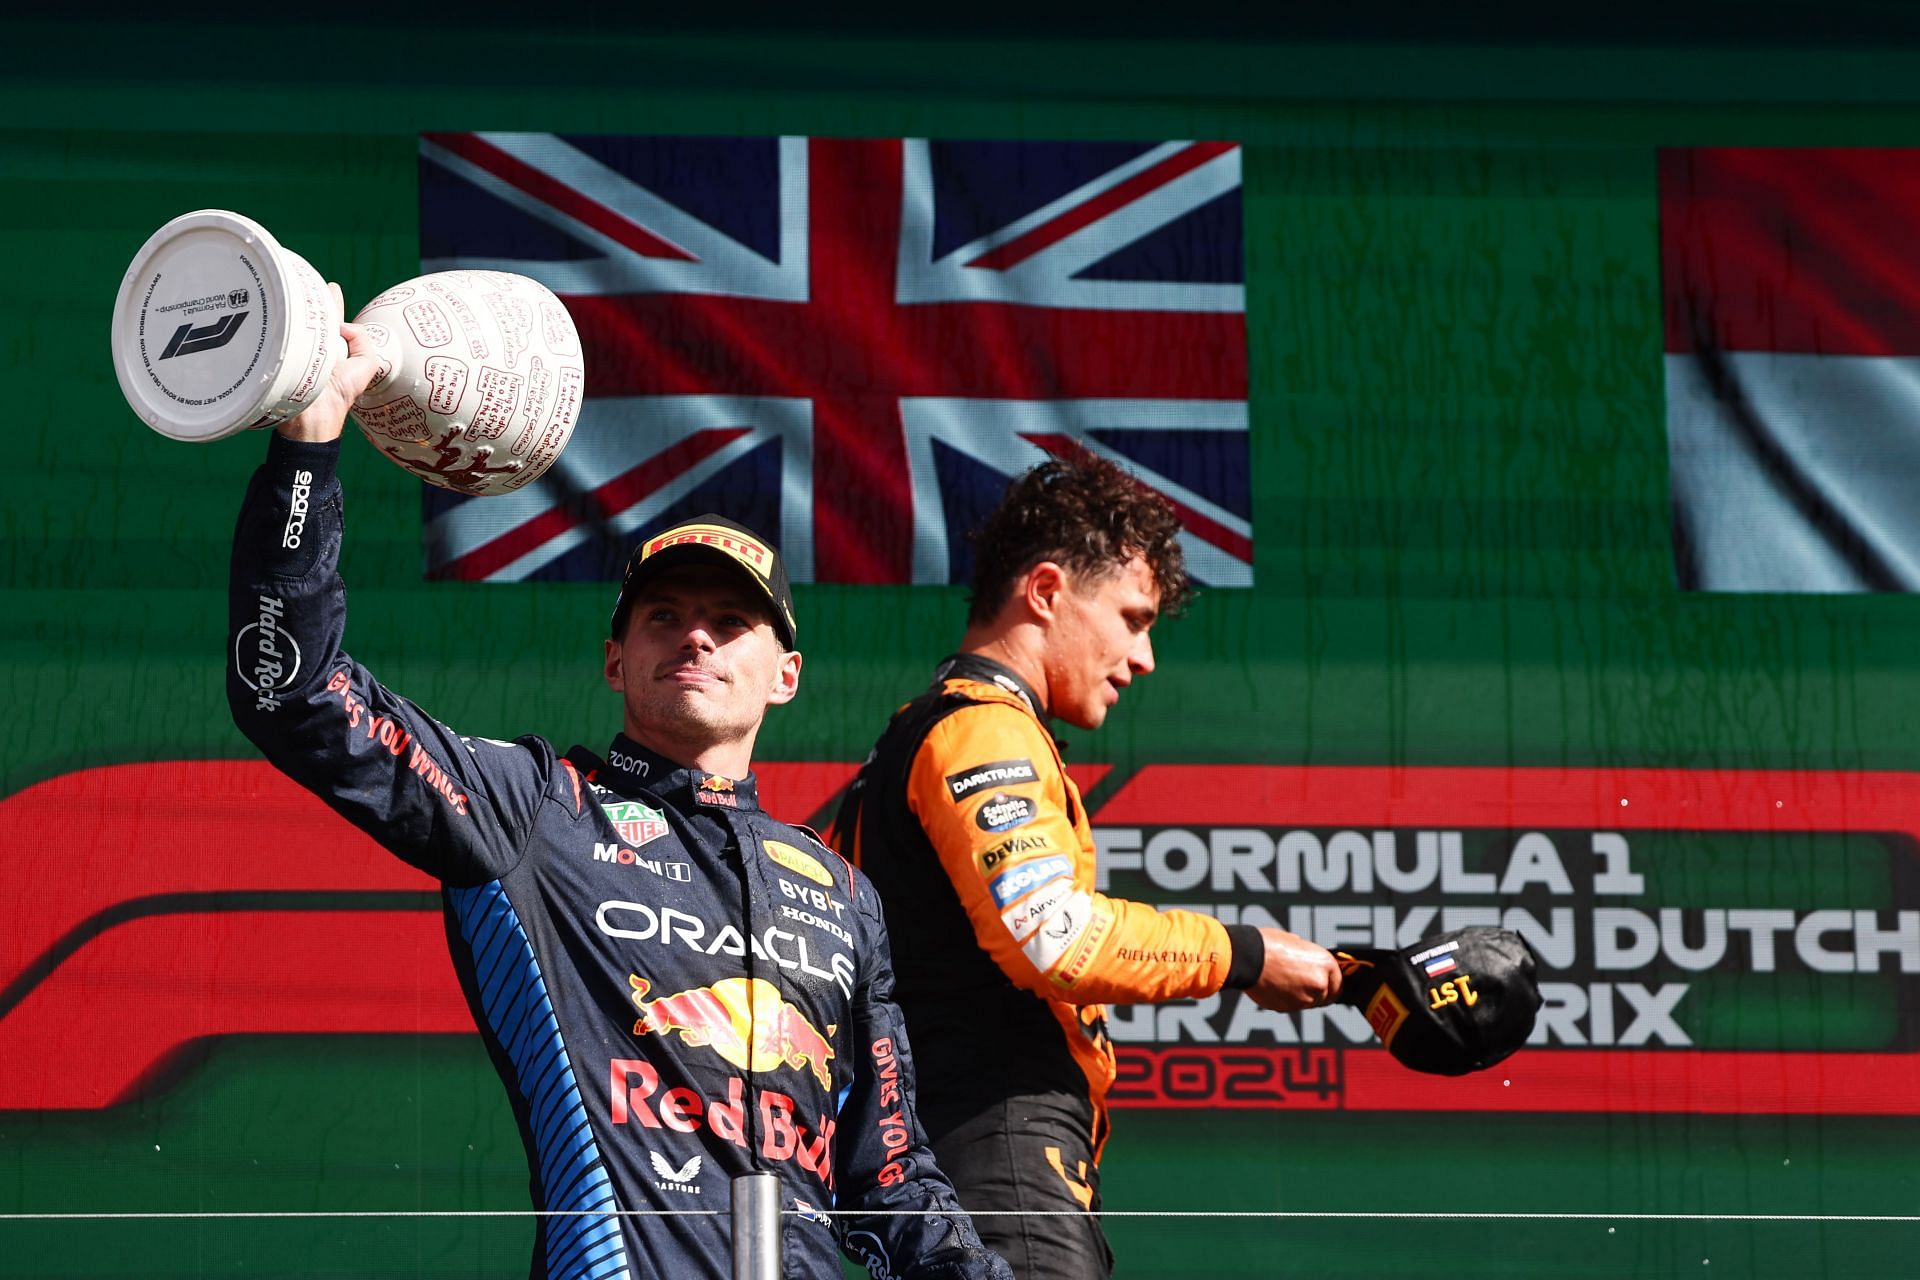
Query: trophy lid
[200, 327]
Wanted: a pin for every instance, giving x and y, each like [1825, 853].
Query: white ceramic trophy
[481, 381]
[218, 328]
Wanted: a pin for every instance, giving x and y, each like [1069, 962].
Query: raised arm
[458, 809]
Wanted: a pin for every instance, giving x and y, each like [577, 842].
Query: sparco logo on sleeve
[297, 509]
[997, 773]
[266, 656]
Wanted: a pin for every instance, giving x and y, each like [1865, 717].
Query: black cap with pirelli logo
[715, 539]
[1451, 1004]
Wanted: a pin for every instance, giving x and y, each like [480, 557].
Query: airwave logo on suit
[1023, 917]
[797, 861]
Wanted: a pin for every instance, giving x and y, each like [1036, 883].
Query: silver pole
[756, 1226]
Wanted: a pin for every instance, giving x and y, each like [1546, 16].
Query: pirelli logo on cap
[1386, 1015]
[754, 555]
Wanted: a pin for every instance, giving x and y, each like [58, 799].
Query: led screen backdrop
[1418, 370]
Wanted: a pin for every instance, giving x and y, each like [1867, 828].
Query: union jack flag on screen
[853, 345]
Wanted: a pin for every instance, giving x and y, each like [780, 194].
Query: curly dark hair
[1086, 515]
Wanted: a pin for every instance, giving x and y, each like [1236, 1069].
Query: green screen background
[1462, 558]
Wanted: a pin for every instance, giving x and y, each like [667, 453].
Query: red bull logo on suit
[744, 1020]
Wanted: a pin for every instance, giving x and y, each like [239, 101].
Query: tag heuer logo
[636, 823]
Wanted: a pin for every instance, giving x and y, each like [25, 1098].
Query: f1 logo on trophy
[218, 329]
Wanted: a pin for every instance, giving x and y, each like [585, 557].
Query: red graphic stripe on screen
[84, 842]
[1572, 1081]
[149, 986]
[1087, 776]
[1791, 250]
[798, 791]
[1696, 1082]
[227, 826]
[125, 1003]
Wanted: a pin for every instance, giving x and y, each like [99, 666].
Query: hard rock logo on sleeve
[266, 657]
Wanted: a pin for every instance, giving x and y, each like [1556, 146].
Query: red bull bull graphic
[744, 1020]
[714, 789]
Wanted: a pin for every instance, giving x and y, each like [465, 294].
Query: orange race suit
[967, 824]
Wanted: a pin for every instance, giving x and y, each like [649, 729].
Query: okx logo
[187, 340]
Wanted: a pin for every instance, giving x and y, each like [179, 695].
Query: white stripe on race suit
[1058, 931]
[1028, 914]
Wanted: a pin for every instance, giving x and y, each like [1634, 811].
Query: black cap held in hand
[1451, 1004]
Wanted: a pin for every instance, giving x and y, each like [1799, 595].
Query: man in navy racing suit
[674, 987]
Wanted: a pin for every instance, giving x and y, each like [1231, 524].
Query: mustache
[665, 669]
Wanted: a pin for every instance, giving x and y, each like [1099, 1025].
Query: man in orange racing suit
[976, 839]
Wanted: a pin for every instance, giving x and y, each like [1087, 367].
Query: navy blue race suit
[674, 987]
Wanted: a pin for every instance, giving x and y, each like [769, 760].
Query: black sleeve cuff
[286, 457]
[1249, 957]
[291, 519]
